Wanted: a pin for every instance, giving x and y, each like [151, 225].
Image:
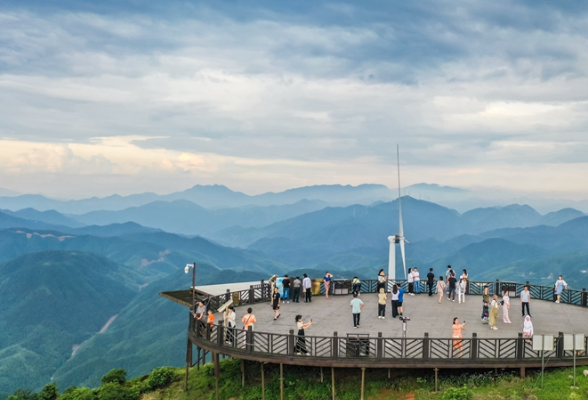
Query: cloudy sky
[125, 97]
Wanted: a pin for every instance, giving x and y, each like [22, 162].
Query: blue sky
[126, 96]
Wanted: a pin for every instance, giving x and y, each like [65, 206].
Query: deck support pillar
[322, 376]
[388, 373]
[242, 373]
[262, 383]
[522, 371]
[188, 363]
[333, 382]
[436, 379]
[216, 361]
[282, 381]
[362, 381]
[198, 358]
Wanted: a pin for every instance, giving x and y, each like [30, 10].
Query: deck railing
[363, 346]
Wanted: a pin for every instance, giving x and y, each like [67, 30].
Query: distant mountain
[51, 217]
[8, 192]
[485, 219]
[186, 217]
[112, 230]
[11, 221]
[52, 302]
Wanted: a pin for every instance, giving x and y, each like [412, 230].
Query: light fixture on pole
[187, 270]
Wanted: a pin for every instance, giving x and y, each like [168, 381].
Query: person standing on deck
[400, 298]
[382, 279]
[306, 286]
[430, 281]
[461, 289]
[276, 301]
[286, 286]
[296, 284]
[560, 285]
[410, 281]
[394, 301]
[231, 323]
[451, 283]
[457, 336]
[525, 301]
[448, 273]
[356, 307]
[382, 299]
[356, 285]
[327, 283]
[494, 312]
[301, 340]
[505, 307]
[416, 276]
[440, 288]
[485, 300]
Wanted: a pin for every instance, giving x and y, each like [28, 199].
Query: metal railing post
[584, 298]
[220, 337]
[520, 347]
[426, 346]
[252, 294]
[497, 287]
[335, 345]
[474, 346]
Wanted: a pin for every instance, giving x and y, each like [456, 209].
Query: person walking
[525, 301]
[451, 283]
[494, 305]
[560, 285]
[356, 285]
[286, 286]
[505, 307]
[440, 288]
[306, 286]
[382, 279]
[327, 283]
[356, 307]
[382, 299]
[457, 336]
[410, 280]
[296, 284]
[416, 276]
[430, 281]
[461, 290]
[394, 301]
[400, 299]
[301, 340]
[276, 301]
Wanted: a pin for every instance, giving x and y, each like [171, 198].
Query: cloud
[256, 92]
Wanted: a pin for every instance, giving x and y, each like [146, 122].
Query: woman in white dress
[528, 327]
[560, 285]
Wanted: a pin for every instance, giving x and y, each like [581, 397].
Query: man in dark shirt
[451, 283]
[430, 281]
[286, 292]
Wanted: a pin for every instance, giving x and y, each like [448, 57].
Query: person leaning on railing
[356, 285]
[199, 315]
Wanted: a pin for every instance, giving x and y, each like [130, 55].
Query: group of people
[297, 285]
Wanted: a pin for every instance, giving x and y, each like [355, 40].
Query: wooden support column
[188, 363]
[522, 371]
[333, 382]
[322, 376]
[242, 373]
[436, 381]
[262, 383]
[216, 372]
[282, 381]
[198, 357]
[362, 382]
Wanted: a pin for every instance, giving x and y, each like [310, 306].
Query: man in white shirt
[306, 285]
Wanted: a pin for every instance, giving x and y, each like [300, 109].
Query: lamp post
[187, 270]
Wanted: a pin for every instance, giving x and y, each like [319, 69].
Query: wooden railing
[358, 346]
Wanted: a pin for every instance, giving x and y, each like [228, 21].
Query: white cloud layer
[265, 98]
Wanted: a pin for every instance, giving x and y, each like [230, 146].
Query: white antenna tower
[399, 237]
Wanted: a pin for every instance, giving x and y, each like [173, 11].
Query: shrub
[160, 377]
[49, 392]
[22, 394]
[459, 393]
[74, 393]
[115, 391]
[115, 376]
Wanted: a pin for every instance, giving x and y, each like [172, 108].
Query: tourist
[356, 307]
[416, 276]
[505, 307]
[410, 280]
[209, 323]
[356, 285]
[528, 327]
[485, 298]
[457, 336]
[440, 288]
[400, 299]
[560, 285]
[249, 320]
[451, 287]
[525, 301]
[461, 290]
[306, 286]
[464, 276]
[430, 281]
[494, 305]
[301, 340]
[296, 284]
[448, 273]
[286, 286]
[231, 323]
[394, 301]
[276, 301]
[327, 283]
[382, 279]
[382, 299]
[199, 316]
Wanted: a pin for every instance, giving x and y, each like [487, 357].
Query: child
[440, 288]
[485, 313]
[210, 320]
[528, 327]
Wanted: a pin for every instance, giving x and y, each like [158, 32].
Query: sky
[132, 96]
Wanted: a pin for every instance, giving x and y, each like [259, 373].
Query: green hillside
[52, 301]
